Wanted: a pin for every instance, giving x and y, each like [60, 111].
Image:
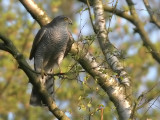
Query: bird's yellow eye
[66, 19]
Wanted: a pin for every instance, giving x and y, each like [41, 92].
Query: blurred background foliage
[77, 93]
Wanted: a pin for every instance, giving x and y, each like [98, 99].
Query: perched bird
[52, 42]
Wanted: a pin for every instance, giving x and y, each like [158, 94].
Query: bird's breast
[57, 40]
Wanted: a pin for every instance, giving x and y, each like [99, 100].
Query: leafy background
[77, 94]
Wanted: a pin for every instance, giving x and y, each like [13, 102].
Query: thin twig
[56, 74]
[150, 107]
[144, 35]
[111, 17]
[148, 98]
[151, 13]
[90, 15]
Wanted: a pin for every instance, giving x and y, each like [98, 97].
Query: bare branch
[148, 98]
[119, 13]
[151, 13]
[108, 49]
[109, 52]
[2, 47]
[144, 35]
[150, 106]
[38, 14]
[88, 4]
[149, 95]
[110, 18]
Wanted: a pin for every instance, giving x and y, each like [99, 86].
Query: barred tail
[36, 99]
[50, 86]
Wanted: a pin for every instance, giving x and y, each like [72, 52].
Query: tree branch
[117, 12]
[139, 25]
[110, 52]
[8, 46]
[37, 13]
[149, 96]
[115, 91]
[88, 4]
[151, 13]
[108, 49]
[144, 35]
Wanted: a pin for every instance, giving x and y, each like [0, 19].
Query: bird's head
[62, 20]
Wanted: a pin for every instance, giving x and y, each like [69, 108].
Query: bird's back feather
[36, 41]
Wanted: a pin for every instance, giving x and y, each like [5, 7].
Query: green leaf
[89, 105]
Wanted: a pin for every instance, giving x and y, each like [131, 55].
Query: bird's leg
[43, 72]
[60, 58]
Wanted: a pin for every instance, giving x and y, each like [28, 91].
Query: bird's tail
[36, 99]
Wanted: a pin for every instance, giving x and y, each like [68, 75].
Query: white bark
[117, 92]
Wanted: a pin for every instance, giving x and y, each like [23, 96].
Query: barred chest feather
[58, 38]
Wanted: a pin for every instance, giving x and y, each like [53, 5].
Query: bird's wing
[69, 44]
[36, 41]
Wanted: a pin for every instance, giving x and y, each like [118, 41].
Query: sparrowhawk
[52, 42]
